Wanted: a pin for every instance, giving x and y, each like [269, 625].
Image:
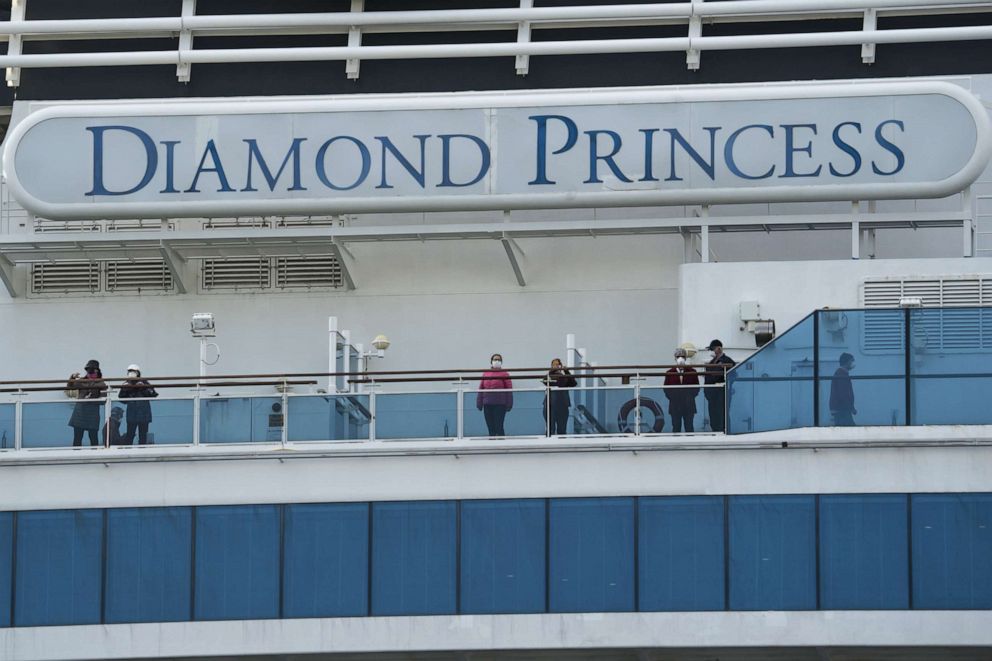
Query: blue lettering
[170, 170]
[218, 169]
[362, 150]
[648, 154]
[728, 152]
[791, 150]
[255, 154]
[151, 159]
[847, 149]
[388, 146]
[595, 157]
[446, 159]
[677, 138]
[542, 144]
[889, 147]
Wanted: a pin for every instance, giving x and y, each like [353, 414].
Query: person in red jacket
[497, 403]
[681, 401]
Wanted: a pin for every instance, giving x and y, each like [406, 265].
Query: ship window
[592, 555]
[6, 558]
[237, 561]
[952, 551]
[502, 556]
[148, 564]
[326, 560]
[864, 554]
[772, 553]
[413, 558]
[59, 565]
[681, 553]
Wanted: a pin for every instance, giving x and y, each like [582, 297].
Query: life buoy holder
[646, 403]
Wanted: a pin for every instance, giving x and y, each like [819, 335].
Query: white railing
[694, 15]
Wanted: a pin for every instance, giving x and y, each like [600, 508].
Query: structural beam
[353, 65]
[7, 276]
[173, 260]
[185, 42]
[349, 282]
[523, 37]
[17, 8]
[509, 245]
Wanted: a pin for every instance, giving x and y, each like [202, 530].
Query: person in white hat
[681, 399]
[139, 409]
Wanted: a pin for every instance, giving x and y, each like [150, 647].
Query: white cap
[133, 368]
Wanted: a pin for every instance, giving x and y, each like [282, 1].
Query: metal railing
[520, 22]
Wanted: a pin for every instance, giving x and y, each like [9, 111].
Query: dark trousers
[141, 428]
[843, 418]
[559, 420]
[77, 436]
[715, 399]
[495, 414]
[678, 418]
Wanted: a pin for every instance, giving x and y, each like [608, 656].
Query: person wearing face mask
[842, 409]
[681, 400]
[89, 389]
[557, 402]
[717, 374]
[495, 398]
[139, 411]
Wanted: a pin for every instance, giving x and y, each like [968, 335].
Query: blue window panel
[413, 558]
[952, 551]
[772, 553]
[237, 562]
[592, 555]
[502, 556]
[681, 554]
[864, 552]
[59, 564]
[326, 563]
[6, 557]
[149, 559]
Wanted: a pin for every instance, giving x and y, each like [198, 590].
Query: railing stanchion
[460, 409]
[19, 420]
[285, 413]
[637, 407]
[908, 349]
[196, 416]
[107, 418]
[372, 397]
[816, 368]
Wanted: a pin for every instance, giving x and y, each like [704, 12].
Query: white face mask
[132, 373]
[497, 363]
[680, 360]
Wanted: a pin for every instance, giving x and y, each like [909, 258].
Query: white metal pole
[570, 350]
[346, 359]
[332, 353]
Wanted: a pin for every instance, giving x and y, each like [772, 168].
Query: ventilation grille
[239, 273]
[65, 277]
[138, 276]
[322, 271]
[970, 291]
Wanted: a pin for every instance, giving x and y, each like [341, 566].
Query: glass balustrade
[414, 415]
[241, 419]
[8, 426]
[328, 417]
[494, 413]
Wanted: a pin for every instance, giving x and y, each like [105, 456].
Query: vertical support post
[460, 409]
[968, 224]
[695, 31]
[106, 416]
[637, 407]
[185, 42]
[372, 395]
[870, 26]
[855, 239]
[570, 350]
[523, 37]
[346, 359]
[363, 365]
[197, 414]
[704, 245]
[19, 422]
[816, 368]
[908, 348]
[17, 12]
[332, 355]
[285, 413]
[353, 64]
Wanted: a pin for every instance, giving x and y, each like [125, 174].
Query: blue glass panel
[6, 558]
[237, 562]
[328, 417]
[526, 418]
[592, 555]
[241, 420]
[600, 410]
[681, 553]
[416, 415]
[773, 389]
[149, 559]
[46, 424]
[952, 551]
[413, 558]
[952, 366]
[6, 426]
[171, 420]
[502, 556]
[772, 553]
[689, 401]
[864, 554]
[326, 563]
[59, 567]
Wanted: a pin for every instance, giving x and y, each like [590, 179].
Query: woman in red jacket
[495, 405]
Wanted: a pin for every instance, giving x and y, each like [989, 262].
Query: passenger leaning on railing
[558, 377]
[139, 413]
[86, 414]
[495, 405]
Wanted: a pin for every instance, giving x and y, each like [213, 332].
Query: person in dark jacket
[89, 390]
[139, 412]
[112, 429]
[495, 405]
[560, 402]
[716, 372]
[842, 409]
[681, 401]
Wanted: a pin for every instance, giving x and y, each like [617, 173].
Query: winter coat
[495, 380]
[842, 392]
[86, 414]
[559, 379]
[138, 411]
[681, 400]
[716, 375]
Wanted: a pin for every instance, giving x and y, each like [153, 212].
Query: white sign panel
[616, 147]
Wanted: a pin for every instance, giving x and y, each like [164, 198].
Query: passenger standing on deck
[681, 401]
[558, 402]
[139, 412]
[842, 409]
[716, 373]
[495, 405]
[89, 389]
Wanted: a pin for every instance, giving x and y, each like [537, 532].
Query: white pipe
[752, 7]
